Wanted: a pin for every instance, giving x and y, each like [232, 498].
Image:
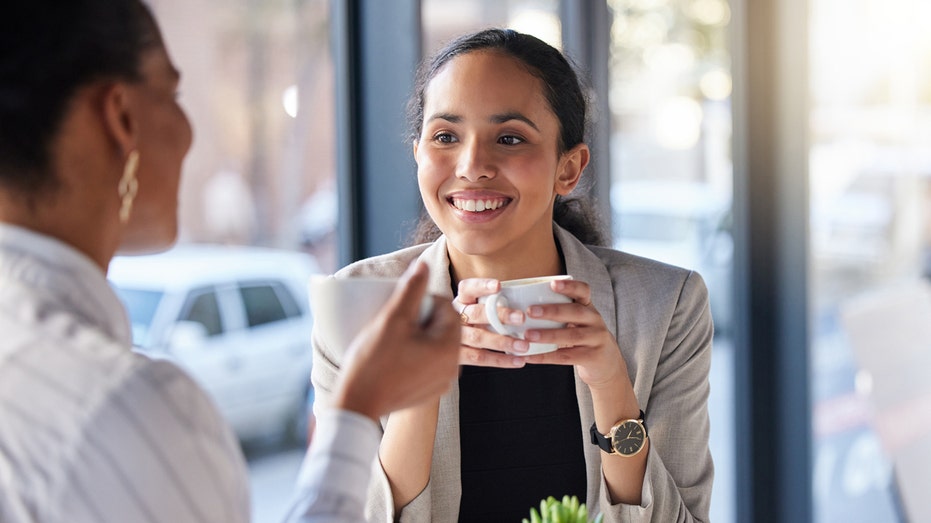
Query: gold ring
[463, 318]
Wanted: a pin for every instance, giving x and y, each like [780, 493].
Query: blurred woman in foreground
[91, 144]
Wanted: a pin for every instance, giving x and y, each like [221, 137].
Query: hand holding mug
[521, 295]
[494, 318]
[405, 354]
[585, 342]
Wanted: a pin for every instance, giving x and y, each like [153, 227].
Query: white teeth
[477, 205]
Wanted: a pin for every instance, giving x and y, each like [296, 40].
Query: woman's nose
[475, 162]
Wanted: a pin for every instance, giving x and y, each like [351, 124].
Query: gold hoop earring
[128, 186]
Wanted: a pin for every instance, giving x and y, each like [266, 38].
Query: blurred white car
[237, 319]
[686, 224]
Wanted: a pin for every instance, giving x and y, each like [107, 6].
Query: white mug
[520, 295]
[342, 307]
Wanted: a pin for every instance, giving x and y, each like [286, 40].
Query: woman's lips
[478, 209]
[478, 204]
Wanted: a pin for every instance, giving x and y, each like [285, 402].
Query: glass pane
[203, 309]
[870, 162]
[258, 86]
[141, 306]
[262, 305]
[671, 172]
[444, 20]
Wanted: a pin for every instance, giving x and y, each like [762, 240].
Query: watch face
[628, 438]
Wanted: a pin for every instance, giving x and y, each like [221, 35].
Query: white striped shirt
[334, 478]
[89, 430]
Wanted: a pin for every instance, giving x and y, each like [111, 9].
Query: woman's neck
[61, 218]
[544, 259]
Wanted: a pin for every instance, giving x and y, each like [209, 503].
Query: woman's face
[487, 156]
[164, 138]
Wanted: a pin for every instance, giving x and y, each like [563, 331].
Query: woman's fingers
[579, 291]
[471, 289]
[568, 337]
[479, 338]
[473, 312]
[475, 315]
[489, 358]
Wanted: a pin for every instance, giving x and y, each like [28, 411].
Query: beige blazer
[661, 319]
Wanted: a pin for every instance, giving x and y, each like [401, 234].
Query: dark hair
[49, 49]
[563, 92]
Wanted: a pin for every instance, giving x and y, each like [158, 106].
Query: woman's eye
[510, 140]
[444, 138]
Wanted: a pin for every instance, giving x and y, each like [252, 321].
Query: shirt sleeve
[334, 477]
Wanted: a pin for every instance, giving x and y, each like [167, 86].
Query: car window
[141, 306]
[287, 300]
[263, 304]
[202, 307]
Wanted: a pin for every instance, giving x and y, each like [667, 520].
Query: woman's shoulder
[615, 258]
[386, 265]
[631, 267]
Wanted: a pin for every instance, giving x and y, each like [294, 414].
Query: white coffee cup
[520, 295]
[342, 307]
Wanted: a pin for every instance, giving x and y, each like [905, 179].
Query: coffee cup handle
[491, 313]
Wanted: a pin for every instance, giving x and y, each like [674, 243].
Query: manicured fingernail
[536, 310]
[519, 362]
[491, 285]
[520, 346]
[516, 318]
[532, 335]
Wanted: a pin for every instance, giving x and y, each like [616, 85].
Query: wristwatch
[625, 438]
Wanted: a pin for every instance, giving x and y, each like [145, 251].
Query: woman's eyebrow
[495, 118]
[504, 117]
[449, 117]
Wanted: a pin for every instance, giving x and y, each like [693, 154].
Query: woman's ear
[570, 169]
[119, 120]
[415, 144]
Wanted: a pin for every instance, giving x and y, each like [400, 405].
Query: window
[262, 304]
[672, 175]
[870, 199]
[257, 85]
[202, 307]
[141, 306]
[444, 20]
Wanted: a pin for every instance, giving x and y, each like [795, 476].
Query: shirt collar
[54, 269]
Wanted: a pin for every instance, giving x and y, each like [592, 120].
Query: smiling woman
[554, 116]
[498, 127]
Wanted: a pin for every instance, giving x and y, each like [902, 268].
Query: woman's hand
[585, 341]
[481, 346]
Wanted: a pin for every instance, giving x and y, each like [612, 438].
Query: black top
[521, 439]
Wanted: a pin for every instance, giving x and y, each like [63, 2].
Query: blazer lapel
[583, 265]
[445, 470]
